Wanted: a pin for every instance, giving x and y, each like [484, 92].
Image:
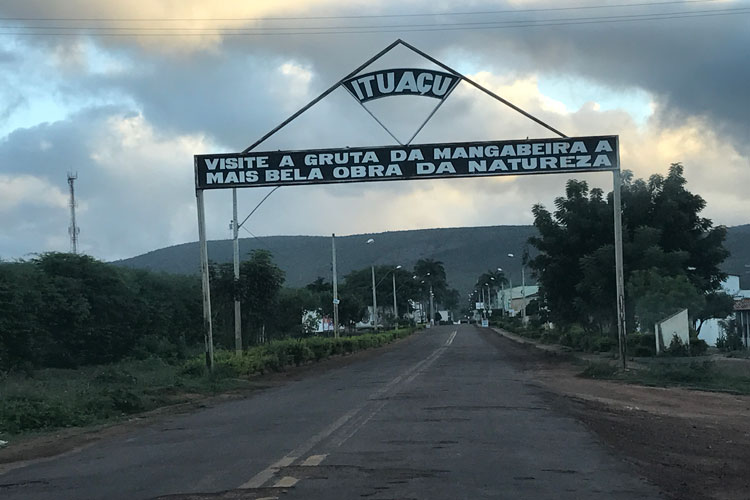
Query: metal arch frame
[617, 182]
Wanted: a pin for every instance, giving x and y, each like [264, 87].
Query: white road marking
[268, 498]
[417, 370]
[314, 460]
[260, 478]
[450, 339]
[407, 376]
[286, 482]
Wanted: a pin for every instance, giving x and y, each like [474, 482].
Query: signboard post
[405, 161]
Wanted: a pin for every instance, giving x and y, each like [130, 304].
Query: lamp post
[395, 306]
[523, 287]
[392, 272]
[432, 304]
[502, 289]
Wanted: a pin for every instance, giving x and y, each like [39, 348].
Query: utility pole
[236, 258]
[374, 299]
[395, 308]
[208, 336]
[335, 290]
[619, 273]
[73, 230]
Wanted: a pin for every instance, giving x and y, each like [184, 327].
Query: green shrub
[642, 352]
[641, 345]
[18, 414]
[125, 401]
[548, 337]
[677, 348]
[279, 354]
[194, 367]
[599, 370]
[603, 344]
[692, 373]
[321, 347]
[112, 375]
[698, 347]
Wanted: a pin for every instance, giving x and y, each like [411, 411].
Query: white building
[513, 300]
[711, 330]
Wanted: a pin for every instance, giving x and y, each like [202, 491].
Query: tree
[716, 305]
[495, 279]
[657, 296]
[351, 309]
[357, 286]
[260, 282]
[663, 234]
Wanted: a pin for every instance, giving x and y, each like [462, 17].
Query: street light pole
[374, 299]
[432, 307]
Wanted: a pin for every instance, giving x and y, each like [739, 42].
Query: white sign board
[667, 329]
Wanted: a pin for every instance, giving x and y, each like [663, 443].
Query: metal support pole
[335, 289]
[619, 275]
[523, 292]
[395, 307]
[208, 336]
[374, 300]
[236, 258]
[502, 287]
[510, 299]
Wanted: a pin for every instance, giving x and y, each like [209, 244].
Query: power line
[360, 16]
[241, 224]
[263, 30]
[401, 28]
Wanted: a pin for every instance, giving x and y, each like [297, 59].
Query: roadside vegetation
[83, 341]
[672, 257]
[53, 398]
[671, 261]
[700, 375]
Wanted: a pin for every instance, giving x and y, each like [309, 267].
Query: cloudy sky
[125, 93]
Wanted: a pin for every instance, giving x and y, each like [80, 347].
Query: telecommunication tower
[73, 230]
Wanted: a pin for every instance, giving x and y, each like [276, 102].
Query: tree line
[671, 255]
[66, 310]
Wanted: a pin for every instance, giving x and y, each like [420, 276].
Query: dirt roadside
[691, 444]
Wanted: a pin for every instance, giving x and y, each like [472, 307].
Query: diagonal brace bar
[321, 96]
[483, 89]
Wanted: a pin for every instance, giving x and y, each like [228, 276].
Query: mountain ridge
[465, 251]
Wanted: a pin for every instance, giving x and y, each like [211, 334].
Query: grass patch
[50, 399]
[599, 370]
[701, 375]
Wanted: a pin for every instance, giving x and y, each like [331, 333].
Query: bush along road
[50, 399]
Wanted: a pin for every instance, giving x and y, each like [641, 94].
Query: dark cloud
[229, 93]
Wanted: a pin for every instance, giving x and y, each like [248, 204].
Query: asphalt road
[443, 415]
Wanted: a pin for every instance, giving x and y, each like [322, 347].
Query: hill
[465, 251]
